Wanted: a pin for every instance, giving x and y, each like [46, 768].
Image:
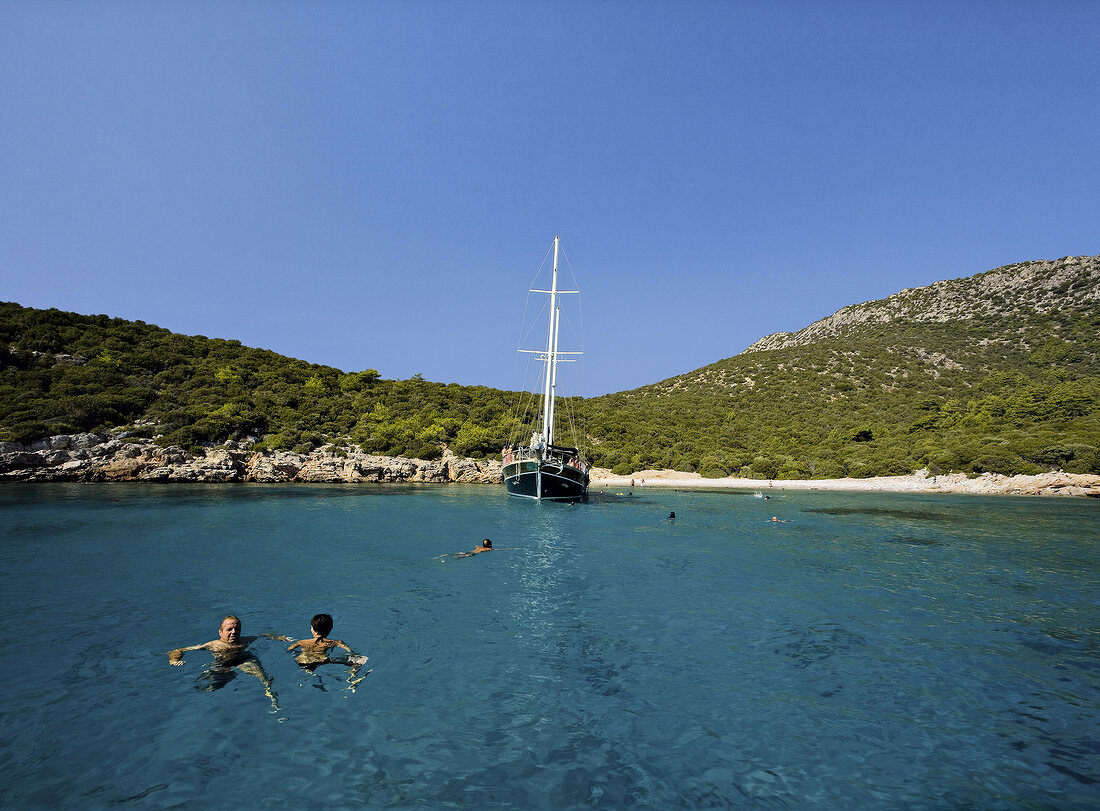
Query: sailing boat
[542, 469]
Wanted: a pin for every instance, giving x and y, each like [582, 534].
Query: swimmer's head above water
[486, 546]
[230, 630]
[321, 625]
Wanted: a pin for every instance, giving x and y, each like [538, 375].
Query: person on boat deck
[486, 546]
[230, 650]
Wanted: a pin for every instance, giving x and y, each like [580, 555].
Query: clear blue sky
[374, 184]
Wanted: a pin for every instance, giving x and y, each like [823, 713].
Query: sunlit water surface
[876, 651]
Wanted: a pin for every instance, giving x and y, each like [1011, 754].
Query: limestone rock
[121, 457]
[278, 466]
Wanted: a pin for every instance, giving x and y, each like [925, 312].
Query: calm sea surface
[877, 651]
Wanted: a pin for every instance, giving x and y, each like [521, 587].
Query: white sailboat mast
[551, 358]
[554, 379]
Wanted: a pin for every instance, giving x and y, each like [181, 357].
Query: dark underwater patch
[912, 515]
[815, 645]
[914, 540]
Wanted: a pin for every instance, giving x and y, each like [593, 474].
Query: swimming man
[486, 546]
[230, 650]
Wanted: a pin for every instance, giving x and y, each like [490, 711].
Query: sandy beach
[1043, 484]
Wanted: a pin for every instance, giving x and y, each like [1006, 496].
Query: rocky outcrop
[1043, 484]
[1019, 290]
[1055, 483]
[119, 457]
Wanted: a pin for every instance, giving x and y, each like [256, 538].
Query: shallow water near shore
[877, 650]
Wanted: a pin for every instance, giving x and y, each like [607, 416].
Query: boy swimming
[314, 652]
[317, 648]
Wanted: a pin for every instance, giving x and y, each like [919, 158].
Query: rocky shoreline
[118, 457]
[1055, 483]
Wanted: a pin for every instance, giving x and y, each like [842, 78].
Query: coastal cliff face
[118, 457]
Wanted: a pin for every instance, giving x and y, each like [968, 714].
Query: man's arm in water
[175, 657]
[217, 646]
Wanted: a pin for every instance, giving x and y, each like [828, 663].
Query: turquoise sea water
[877, 651]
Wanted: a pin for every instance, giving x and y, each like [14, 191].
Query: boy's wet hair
[487, 544]
[322, 624]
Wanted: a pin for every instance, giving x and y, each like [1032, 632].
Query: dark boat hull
[545, 480]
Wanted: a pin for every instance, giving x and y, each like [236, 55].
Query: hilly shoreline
[118, 457]
[996, 373]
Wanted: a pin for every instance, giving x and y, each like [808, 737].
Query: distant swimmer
[314, 652]
[775, 520]
[230, 650]
[671, 516]
[486, 546]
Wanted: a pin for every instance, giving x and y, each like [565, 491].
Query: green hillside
[994, 372]
[67, 373]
